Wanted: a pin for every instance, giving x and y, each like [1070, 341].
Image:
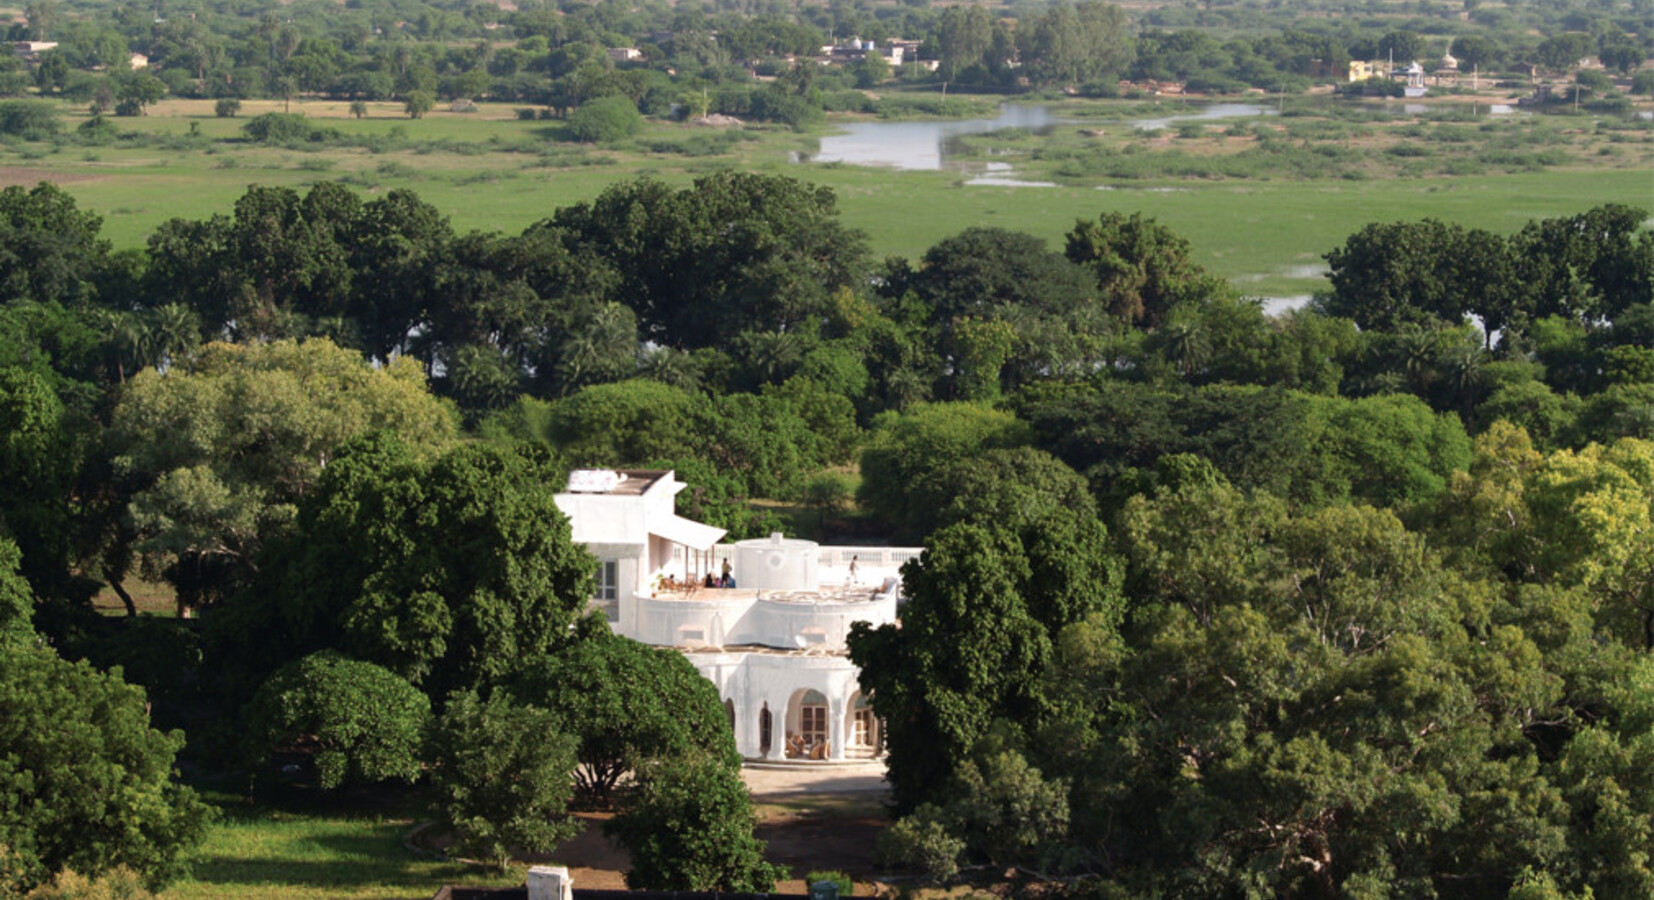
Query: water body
[934, 145]
[1214, 111]
[922, 146]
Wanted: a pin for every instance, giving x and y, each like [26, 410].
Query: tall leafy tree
[217, 450]
[732, 253]
[983, 604]
[1142, 268]
[356, 721]
[49, 249]
[502, 777]
[445, 572]
[688, 826]
[87, 783]
[627, 704]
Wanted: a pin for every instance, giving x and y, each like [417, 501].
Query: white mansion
[773, 640]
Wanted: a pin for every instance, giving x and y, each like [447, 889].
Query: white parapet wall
[550, 883]
[712, 617]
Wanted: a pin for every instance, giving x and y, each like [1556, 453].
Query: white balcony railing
[835, 556]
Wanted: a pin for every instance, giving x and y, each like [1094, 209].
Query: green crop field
[1265, 231]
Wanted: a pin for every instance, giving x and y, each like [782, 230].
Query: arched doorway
[729, 711]
[766, 727]
[807, 725]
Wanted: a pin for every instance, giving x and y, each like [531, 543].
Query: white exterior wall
[752, 681]
[742, 617]
[808, 630]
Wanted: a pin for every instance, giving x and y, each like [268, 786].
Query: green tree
[687, 825]
[16, 601]
[1564, 52]
[358, 722]
[1005, 810]
[605, 120]
[31, 120]
[984, 270]
[1476, 51]
[445, 572]
[217, 450]
[1070, 45]
[49, 249]
[88, 782]
[136, 92]
[1593, 520]
[417, 103]
[40, 463]
[735, 252]
[963, 37]
[624, 423]
[627, 703]
[982, 606]
[872, 71]
[903, 447]
[502, 776]
[1142, 268]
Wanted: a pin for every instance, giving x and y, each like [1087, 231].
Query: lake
[930, 145]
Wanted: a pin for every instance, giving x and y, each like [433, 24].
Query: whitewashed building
[773, 643]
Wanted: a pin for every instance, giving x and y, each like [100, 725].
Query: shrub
[846, 887]
[277, 128]
[604, 120]
[33, 120]
[226, 107]
[921, 842]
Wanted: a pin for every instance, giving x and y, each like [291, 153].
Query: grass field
[490, 171]
[258, 852]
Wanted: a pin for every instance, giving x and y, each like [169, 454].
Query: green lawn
[259, 852]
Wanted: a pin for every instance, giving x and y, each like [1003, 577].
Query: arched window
[765, 727]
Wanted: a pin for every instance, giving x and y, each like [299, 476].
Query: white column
[835, 727]
[749, 735]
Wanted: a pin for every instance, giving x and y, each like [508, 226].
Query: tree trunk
[120, 591]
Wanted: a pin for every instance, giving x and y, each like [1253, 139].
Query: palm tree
[604, 349]
[669, 366]
[1462, 364]
[175, 332]
[1185, 344]
[130, 341]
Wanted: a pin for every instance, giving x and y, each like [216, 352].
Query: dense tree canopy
[217, 452]
[627, 703]
[771, 263]
[85, 782]
[357, 721]
[446, 572]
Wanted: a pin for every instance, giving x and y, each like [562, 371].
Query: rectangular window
[608, 581]
[814, 723]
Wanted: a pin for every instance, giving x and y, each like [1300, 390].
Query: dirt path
[811, 818]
